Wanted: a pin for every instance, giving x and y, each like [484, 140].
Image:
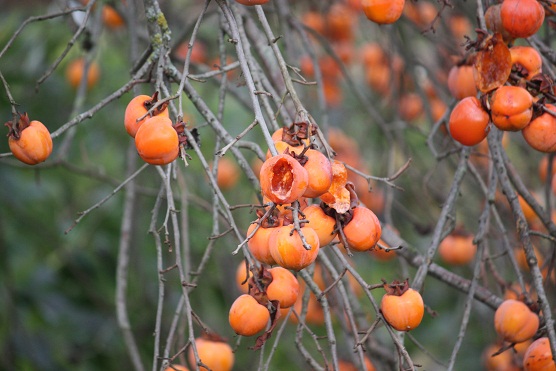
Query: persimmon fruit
[511, 108]
[515, 322]
[383, 11]
[457, 249]
[157, 141]
[283, 179]
[402, 307]
[521, 18]
[468, 123]
[363, 231]
[247, 317]
[541, 131]
[287, 248]
[324, 225]
[138, 107]
[29, 141]
[76, 69]
[215, 354]
[284, 287]
[538, 357]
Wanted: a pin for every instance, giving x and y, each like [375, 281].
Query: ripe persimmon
[541, 131]
[402, 307]
[383, 11]
[319, 171]
[493, 21]
[410, 106]
[215, 354]
[468, 122]
[258, 243]
[526, 60]
[283, 179]
[227, 174]
[538, 357]
[284, 287]
[243, 274]
[521, 18]
[348, 366]
[339, 23]
[457, 249]
[323, 224]
[500, 362]
[138, 107]
[461, 82]
[511, 108]
[76, 69]
[176, 368]
[112, 18]
[363, 230]
[29, 141]
[287, 248]
[247, 317]
[157, 141]
[515, 322]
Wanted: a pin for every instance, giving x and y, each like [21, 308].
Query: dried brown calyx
[396, 288]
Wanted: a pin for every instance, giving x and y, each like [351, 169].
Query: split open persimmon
[468, 123]
[138, 107]
[511, 108]
[157, 141]
[383, 11]
[541, 132]
[29, 141]
[283, 179]
[286, 247]
[247, 317]
[515, 322]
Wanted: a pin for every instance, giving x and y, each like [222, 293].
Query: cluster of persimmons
[514, 93]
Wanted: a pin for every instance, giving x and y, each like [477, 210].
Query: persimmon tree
[346, 184]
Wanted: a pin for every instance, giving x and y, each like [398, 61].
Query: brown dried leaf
[493, 64]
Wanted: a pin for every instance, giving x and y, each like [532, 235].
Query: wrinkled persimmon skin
[258, 244]
[284, 287]
[323, 224]
[135, 109]
[247, 317]
[521, 18]
[34, 144]
[405, 312]
[538, 356]
[319, 173]
[363, 231]
[515, 322]
[511, 108]
[288, 251]
[383, 11]
[216, 355]
[541, 132]
[283, 179]
[157, 141]
[468, 122]
[461, 82]
[528, 58]
[337, 196]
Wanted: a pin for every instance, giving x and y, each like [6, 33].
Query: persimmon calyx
[396, 288]
[295, 134]
[16, 127]
[149, 104]
[180, 127]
